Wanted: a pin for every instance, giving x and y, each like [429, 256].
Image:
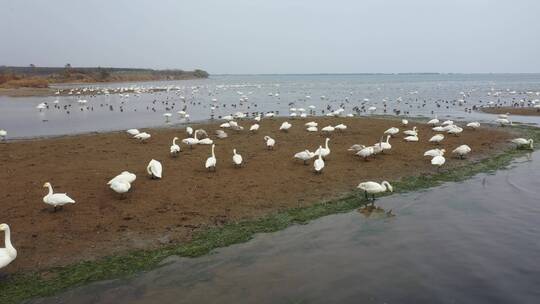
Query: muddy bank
[512, 110]
[188, 198]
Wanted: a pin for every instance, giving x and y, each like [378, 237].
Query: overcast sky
[275, 36]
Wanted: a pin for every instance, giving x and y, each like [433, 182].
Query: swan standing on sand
[522, 142]
[124, 176]
[133, 132]
[154, 169]
[143, 137]
[384, 145]
[392, 131]
[270, 142]
[7, 254]
[285, 126]
[341, 127]
[121, 187]
[324, 151]
[56, 199]
[374, 188]
[211, 161]
[437, 138]
[254, 128]
[438, 161]
[318, 164]
[462, 151]
[411, 138]
[175, 149]
[434, 121]
[366, 152]
[434, 152]
[412, 132]
[356, 147]
[237, 159]
[304, 156]
[474, 125]
[191, 141]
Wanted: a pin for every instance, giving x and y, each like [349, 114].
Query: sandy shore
[188, 198]
[27, 92]
[512, 110]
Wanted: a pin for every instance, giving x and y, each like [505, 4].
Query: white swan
[189, 131]
[270, 142]
[522, 142]
[221, 134]
[312, 129]
[237, 159]
[437, 138]
[434, 152]
[341, 127]
[143, 137]
[124, 176]
[318, 164]
[503, 122]
[374, 188]
[474, 125]
[328, 129]
[211, 161]
[392, 131]
[356, 147]
[56, 199]
[191, 141]
[412, 132]
[254, 128]
[384, 145]
[447, 123]
[366, 152]
[7, 254]
[411, 138]
[3, 134]
[324, 151]
[285, 126]
[175, 149]
[120, 186]
[304, 156]
[311, 124]
[462, 150]
[154, 169]
[205, 141]
[438, 161]
[434, 121]
[455, 130]
[133, 132]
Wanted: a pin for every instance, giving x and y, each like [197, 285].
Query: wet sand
[188, 198]
[512, 110]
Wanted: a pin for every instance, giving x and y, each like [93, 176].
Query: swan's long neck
[174, 141]
[388, 138]
[9, 246]
[195, 135]
[326, 144]
[50, 189]
[386, 185]
[213, 154]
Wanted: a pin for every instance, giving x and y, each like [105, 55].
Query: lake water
[413, 95]
[481, 246]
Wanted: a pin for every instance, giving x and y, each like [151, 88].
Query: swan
[143, 137]
[189, 131]
[328, 129]
[254, 128]
[285, 126]
[366, 152]
[474, 125]
[384, 145]
[311, 124]
[439, 129]
[270, 142]
[154, 169]
[205, 141]
[56, 199]
[437, 138]
[211, 161]
[221, 134]
[191, 141]
[392, 131]
[447, 123]
[312, 129]
[503, 122]
[324, 151]
[120, 186]
[133, 132]
[318, 164]
[356, 147]
[225, 125]
[455, 130]
[304, 156]
[521, 142]
[374, 188]
[175, 149]
[504, 116]
[412, 132]
[124, 176]
[404, 122]
[462, 150]
[434, 121]
[438, 161]
[341, 127]
[434, 152]
[411, 138]
[257, 118]
[7, 254]
[237, 159]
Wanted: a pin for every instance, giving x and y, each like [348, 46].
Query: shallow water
[19, 116]
[469, 242]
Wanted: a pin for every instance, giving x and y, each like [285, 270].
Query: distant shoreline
[525, 111]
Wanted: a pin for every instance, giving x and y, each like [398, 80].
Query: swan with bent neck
[7, 254]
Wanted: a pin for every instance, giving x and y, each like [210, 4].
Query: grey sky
[285, 36]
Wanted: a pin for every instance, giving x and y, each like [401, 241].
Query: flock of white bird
[121, 183]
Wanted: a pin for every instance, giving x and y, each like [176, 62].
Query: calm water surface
[470, 242]
[413, 94]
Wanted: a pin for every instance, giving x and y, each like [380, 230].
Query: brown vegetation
[526, 111]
